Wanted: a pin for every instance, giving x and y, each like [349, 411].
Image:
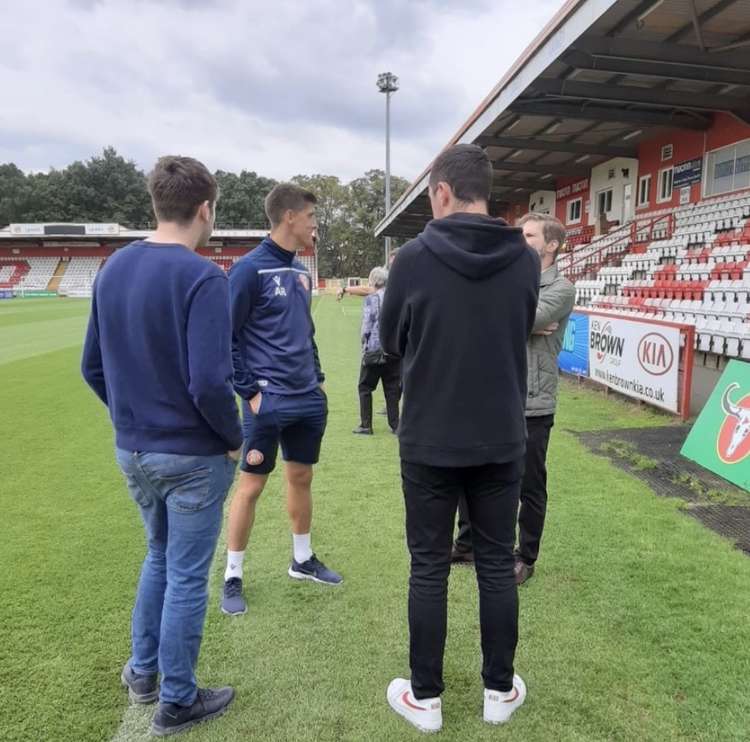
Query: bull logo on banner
[733, 442]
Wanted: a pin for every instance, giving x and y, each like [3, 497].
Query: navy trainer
[141, 688]
[209, 703]
[313, 569]
[232, 602]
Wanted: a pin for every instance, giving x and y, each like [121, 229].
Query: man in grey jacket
[546, 235]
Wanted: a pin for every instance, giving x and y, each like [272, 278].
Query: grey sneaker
[232, 602]
[313, 569]
[209, 703]
[141, 688]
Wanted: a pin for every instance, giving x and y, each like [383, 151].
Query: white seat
[703, 336]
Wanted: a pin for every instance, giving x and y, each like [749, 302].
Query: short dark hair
[178, 186]
[286, 197]
[552, 227]
[466, 169]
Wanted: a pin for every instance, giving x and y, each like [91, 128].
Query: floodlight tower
[388, 84]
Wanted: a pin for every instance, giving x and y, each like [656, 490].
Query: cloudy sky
[280, 87]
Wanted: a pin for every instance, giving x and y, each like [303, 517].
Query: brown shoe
[523, 571]
[462, 556]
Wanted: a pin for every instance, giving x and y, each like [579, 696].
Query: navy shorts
[297, 422]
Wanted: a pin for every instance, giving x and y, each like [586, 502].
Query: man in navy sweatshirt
[158, 354]
[277, 374]
[459, 309]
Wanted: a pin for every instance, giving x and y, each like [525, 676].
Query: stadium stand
[79, 276]
[223, 263]
[65, 258]
[12, 272]
[629, 121]
[697, 276]
[29, 273]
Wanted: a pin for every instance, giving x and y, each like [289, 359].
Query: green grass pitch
[635, 626]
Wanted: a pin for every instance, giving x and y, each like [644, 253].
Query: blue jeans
[181, 501]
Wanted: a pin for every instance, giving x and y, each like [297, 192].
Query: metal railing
[635, 232]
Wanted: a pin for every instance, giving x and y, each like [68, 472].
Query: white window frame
[671, 152]
[644, 179]
[707, 170]
[569, 211]
[664, 199]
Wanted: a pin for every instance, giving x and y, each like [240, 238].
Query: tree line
[109, 188]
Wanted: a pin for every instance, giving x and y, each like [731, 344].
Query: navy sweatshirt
[459, 308]
[273, 343]
[158, 351]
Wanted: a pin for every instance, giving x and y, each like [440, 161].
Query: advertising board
[635, 358]
[720, 438]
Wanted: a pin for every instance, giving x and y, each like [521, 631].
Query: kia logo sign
[655, 354]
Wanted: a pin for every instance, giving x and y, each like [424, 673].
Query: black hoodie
[458, 310]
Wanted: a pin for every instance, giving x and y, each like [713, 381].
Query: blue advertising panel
[687, 173]
[574, 356]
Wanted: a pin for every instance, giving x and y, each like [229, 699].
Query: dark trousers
[389, 374]
[431, 494]
[533, 494]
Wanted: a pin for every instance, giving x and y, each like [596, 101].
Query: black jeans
[431, 494]
[533, 494]
[389, 374]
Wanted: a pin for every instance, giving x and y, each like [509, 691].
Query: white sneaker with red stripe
[425, 714]
[499, 706]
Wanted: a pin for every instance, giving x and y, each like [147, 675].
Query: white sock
[234, 564]
[302, 548]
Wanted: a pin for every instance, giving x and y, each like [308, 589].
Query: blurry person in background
[376, 365]
[367, 289]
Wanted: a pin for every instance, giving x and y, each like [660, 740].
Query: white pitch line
[320, 301]
[136, 723]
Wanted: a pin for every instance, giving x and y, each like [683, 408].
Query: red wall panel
[561, 203]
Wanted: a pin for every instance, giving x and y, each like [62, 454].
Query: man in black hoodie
[459, 309]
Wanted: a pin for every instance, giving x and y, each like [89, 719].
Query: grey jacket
[370, 332]
[556, 299]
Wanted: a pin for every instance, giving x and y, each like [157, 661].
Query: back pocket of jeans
[187, 492]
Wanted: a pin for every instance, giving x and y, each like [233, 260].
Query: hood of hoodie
[474, 245]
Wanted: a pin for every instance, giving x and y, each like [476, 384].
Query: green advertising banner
[720, 438]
